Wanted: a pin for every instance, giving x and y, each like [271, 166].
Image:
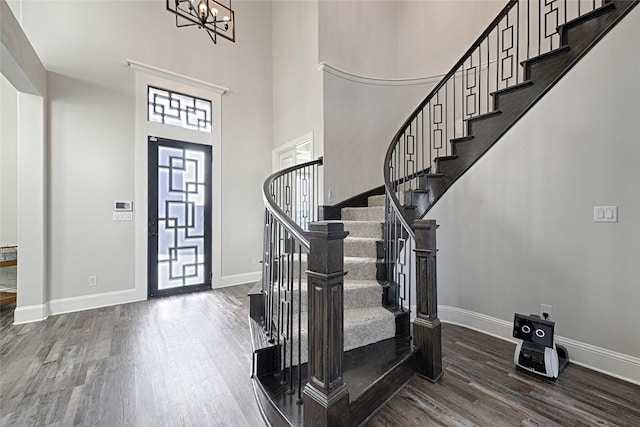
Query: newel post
[326, 396]
[426, 327]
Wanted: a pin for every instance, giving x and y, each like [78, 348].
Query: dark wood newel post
[326, 396]
[426, 327]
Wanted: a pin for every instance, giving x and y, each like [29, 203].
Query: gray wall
[8, 164]
[91, 132]
[385, 41]
[297, 83]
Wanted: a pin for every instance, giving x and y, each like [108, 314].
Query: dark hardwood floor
[481, 387]
[175, 361]
[185, 361]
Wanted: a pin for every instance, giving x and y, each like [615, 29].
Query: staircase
[358, 348]
[420, 166]
[365, 320]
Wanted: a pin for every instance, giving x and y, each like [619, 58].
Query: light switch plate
[123, 216]
[605, 214]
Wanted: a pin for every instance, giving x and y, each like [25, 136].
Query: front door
[179, 250]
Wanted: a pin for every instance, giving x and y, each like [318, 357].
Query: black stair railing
[311, 371]
[522, 30]
[291, 205]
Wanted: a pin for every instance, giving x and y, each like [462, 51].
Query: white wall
[399, 38]
[517, 229]
[297, 83]
[434, 34]
[91, 132]
[397, 51]
[8, 164]
[359, 36]
[359, 120]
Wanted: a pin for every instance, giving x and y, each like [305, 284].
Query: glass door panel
[179, 217]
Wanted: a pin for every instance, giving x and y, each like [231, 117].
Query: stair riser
[360, 248]
[364, 229]
[376, 200]
[363, 214]
[354, 297]
[419, 199]
[542, 73]
[515, 99]
[580, 36]
[361, 271]
[366, 269]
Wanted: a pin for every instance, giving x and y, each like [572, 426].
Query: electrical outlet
[254, 260]
[93, 280]
[544, 308]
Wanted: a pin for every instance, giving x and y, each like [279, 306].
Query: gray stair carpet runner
[365, 320]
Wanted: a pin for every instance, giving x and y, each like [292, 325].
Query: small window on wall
[177, 109]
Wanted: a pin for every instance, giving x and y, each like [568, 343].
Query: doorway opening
[179, 217]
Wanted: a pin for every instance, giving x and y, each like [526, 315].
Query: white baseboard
[239, 279]
[30, 313]
[35, 313]
[89, 302]
[599, 359]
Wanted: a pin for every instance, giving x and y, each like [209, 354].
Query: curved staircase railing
[523, 30]
[291, 205]
[439, 128]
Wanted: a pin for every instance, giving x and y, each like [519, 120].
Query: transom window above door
[178, 109]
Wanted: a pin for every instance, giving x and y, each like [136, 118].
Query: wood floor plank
[182, 360]
[481, 386]
[185, 361]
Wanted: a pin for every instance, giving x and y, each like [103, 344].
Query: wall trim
[90, 302]
[239, 279]
[30, 313]
[618, 365]
[379, 81]
[160, 72]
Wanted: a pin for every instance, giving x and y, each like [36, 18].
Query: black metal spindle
[291, 309]
[539, 28]
[517, 43]
[529, 28]
[299, 401]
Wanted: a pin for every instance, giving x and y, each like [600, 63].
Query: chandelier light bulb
[203, 9]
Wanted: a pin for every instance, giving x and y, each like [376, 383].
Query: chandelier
[216, 18]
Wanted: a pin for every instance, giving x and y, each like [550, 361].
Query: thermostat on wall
[126, 206]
